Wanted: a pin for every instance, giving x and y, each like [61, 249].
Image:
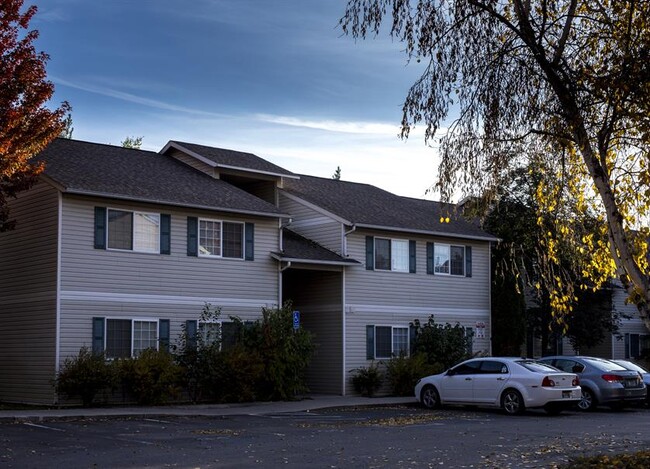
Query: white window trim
[221, 222]
[449, 246]
[132, 319]
[218, 321]
[392, 329]
[134, 212]
[392, 250]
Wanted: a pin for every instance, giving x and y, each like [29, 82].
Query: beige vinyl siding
[85, 269]
[76, 323]
[313, 225]
[633, 324]
[28, 264]
[397, 298]
[318, 297]
[193, 162]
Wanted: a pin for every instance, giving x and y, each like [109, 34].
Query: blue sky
[276, 78]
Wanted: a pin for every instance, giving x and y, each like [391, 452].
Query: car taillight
[576, 381]
[548, 382]
[613, 378]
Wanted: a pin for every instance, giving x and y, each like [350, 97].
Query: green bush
[445, 345]
[285, 352]
[404, 372]
[639, 460]
[367, 381]
[237, 374]
[84, 376]
[151, 378]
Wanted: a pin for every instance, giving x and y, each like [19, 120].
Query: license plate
[566, 394]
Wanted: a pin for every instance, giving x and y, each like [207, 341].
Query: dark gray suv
[603, 382]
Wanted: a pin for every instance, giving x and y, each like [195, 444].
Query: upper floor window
[133, 231]
[449, 259]
[221, 239]
[397, 255]
[392, 254]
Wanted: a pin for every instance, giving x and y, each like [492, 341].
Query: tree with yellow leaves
[560, 86]
[26, 124]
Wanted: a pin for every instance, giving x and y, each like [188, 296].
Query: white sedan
[514, 384]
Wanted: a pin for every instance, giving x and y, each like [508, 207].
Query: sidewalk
[210, 410]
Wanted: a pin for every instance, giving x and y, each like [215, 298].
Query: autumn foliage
[27, 125]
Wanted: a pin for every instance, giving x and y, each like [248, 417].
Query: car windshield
[536, 366]
[604, 365]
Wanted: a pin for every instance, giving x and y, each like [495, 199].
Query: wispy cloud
[373, 128]
[132, 98]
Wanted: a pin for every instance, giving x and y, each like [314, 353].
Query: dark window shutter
[163, 335]
[468, 261]
[627, 345]
[412, 331]
[370, 253]
[249, 242]
[412, 256]
[634, 346]
[100, 227]
[430, 270]
[98, 335]
[370, 342]
[190, 333]
[192, 236]
[165, 233]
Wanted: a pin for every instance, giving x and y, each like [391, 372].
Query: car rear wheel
[587, 401]
[512, 402]
[430, 397]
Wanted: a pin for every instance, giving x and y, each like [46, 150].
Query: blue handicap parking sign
[296, 319]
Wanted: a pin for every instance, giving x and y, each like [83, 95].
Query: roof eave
[176, 146]
[298, 260]
[176, 204]
[256, 171]
[428, 232]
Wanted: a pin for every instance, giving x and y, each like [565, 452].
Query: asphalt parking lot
[387, 436]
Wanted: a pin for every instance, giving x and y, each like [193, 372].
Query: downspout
[282, 226]
[343, 309]
[57, 344]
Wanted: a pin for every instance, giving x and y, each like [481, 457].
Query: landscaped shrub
[285, 352]
[151, 378]
[237, 375]
[639, 460]
[84, 376]
[445, 345]
[404, 372]
[367, 381]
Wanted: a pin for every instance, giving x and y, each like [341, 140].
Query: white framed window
[449, 259]
[129, 337]
[221, 239]
[209, 332]
[637, 345]
[133, 231]
[392, 254]
[391, 341]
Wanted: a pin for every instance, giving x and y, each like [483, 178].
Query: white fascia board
[428, 233]
[257, 171]
[176, 204]
[311, 261]
[191, 153]
[316, 208]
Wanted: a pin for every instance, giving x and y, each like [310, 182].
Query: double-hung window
[133, 231]
[392, 254]
[129, 337]
[221, 239]
[390, 341]
[637, 345]
[449, 260]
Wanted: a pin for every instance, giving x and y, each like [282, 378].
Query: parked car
[603, 382]
[645, 375]
[514, 384]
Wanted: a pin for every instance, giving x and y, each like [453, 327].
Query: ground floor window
[637, 345]
[388, 341]
[129, 337]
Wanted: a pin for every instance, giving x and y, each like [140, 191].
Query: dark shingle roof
[110, 171]
[370, 207]
[232, 159]
[297, 248]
